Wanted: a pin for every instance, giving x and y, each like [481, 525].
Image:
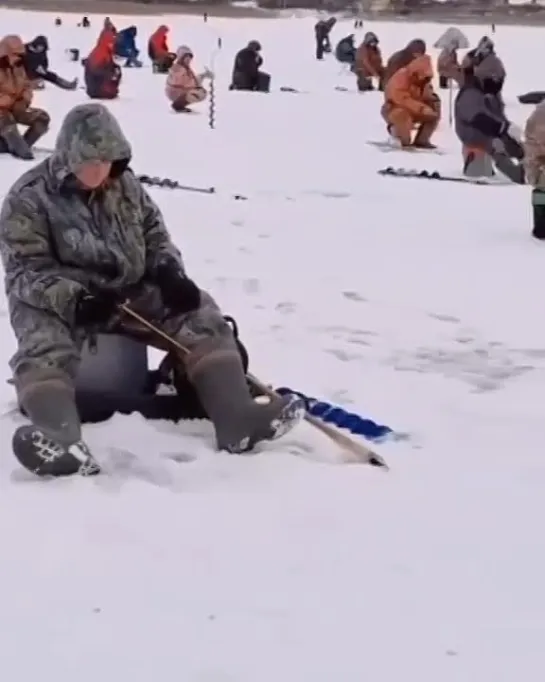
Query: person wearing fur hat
[184, 87]
[489, 140]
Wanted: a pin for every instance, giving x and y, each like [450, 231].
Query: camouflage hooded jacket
[56, 241]
[534, 148]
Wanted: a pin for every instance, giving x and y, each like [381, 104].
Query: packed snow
[412, 302]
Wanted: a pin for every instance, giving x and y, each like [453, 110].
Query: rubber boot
[510, 168]
[239, 421]
[51, 445]
[67, 85]
[513, 148]
[180, 105]
[423, 135]
[538, 204]
[16, 144]
[50, 404]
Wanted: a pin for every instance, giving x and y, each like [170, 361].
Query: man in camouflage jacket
[534, 164]
[79, 234]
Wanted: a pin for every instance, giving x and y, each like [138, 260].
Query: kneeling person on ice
[184, 86]
[247, 74]
[410, 102]
[534, 164]
[158, 51]
[368, 64]
[102, 74]
[78, 236]
[488, 138]
[16, 94]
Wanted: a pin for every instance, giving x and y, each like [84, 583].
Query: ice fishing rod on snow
[167, 183]
[164, 183]
[353, 452]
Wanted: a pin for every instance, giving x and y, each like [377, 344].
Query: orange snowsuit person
[410, 102]
[102, 74]
[158, 51]
[368, 63]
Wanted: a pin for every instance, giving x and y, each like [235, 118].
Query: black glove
[95, 309]
[179, 293]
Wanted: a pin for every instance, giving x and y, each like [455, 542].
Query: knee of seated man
[44, 117]
[40, 117]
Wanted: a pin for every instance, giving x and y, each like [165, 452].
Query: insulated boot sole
[44, 457]
[289, 416]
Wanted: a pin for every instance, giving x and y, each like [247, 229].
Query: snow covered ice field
[415, 303]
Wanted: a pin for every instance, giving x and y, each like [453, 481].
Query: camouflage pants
[48, 348]
[26, 117]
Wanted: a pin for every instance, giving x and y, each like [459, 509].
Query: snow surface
[417, 304]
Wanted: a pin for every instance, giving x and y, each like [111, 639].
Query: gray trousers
[48, 348]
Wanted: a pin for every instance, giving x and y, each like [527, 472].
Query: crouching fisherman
[411, 104]
[159, 52]
[489, 140]
[184, 86]
[125, 47]
[534, 164]
[79, 235]
[16, 94]
[247, 74]
[345, 52]
[102, 74]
